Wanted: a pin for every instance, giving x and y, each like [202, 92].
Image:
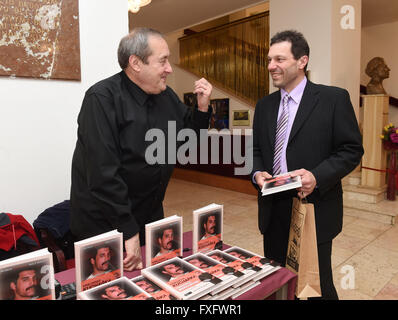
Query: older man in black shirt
[113, 185]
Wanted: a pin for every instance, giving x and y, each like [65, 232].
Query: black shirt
[113, 186]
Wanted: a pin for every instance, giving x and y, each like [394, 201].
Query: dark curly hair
[299, 44]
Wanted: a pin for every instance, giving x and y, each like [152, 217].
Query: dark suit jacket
[324, 139]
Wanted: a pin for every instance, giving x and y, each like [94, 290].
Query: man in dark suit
[316, 135]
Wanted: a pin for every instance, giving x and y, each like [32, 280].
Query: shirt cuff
[254, 176]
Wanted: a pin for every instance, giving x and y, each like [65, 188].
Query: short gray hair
[135, 43]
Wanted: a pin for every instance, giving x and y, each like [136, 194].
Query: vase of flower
[390, 143]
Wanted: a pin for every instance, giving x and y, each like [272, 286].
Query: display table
[279, 285]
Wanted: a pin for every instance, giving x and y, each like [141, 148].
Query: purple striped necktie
[280, 136]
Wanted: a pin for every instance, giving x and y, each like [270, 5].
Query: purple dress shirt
[295, 98]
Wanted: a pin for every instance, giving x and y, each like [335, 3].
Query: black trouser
[276, 250]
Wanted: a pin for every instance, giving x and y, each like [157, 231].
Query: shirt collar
[138, 94]
[297, 92]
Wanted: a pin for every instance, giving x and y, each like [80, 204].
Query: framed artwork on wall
[241, 118]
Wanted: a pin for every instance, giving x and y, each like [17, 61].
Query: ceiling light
[135, 5]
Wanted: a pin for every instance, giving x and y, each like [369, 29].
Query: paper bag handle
[303, 200]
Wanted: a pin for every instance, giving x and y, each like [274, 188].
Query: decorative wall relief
[40, 39]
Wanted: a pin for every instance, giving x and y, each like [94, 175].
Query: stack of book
[182, 279]
[119, 289]
[209, 273]
[152, 288]
[267, 266]
[227, 275]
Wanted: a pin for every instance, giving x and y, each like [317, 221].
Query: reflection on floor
[368, 248]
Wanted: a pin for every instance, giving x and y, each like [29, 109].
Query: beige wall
[346, 49]
[381, 41]
[313, 19]
[334, 52]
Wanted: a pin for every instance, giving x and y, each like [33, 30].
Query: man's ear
[104, 296]
[13, 286]
[302, 62]
[135, 63]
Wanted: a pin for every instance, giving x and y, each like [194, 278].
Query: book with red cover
[181, 279]
[249, 270]
[226, 274]
[268, 266]
[152, 288]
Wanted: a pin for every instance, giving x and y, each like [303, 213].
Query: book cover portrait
[208, 228]
[100, 263]
[99, 259]
[28, 277]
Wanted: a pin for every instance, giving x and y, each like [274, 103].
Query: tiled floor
[365, 253]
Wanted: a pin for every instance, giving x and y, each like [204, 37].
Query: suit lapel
[308, 102]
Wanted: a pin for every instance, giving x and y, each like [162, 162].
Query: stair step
[363, 194]
[354, 179]
[384, 211]
[367, 203]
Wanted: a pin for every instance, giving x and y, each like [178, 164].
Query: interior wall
[38, 118]
[346, 44]
[303, 16]
[334, 50]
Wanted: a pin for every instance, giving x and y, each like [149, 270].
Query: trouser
[277, 250]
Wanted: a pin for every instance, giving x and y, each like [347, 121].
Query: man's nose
[169, 69]
[271, 65]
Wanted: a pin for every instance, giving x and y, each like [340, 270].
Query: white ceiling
[171, 15]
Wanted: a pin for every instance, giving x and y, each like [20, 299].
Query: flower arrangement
[390, 137]
[390, 142]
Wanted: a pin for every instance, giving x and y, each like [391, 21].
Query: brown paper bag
[302, 251]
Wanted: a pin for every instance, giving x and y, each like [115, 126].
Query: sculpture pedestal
[374, 161]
